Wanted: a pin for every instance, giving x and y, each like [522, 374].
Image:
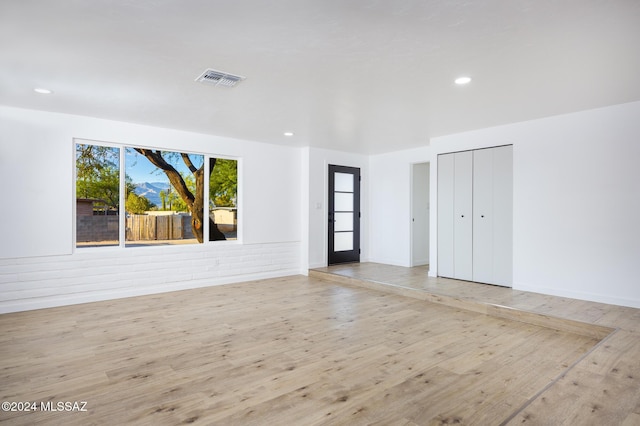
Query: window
[162, 195]
[165, 199]
[223, 199]
[97, 195]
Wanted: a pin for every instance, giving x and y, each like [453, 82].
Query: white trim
[592, 297]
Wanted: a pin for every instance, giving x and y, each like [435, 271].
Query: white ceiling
[367, 76]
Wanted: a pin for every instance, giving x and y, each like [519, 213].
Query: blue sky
[140, 170]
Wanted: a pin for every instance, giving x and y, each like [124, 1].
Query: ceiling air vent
[219, 78]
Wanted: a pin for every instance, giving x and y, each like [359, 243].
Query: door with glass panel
[344, 214]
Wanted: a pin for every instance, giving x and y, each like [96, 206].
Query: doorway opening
[420, 214]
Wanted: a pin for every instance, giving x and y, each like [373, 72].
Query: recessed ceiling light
[288, 133]
[463, 80]
[43, 91]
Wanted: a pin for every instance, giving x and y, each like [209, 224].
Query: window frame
[122, 147]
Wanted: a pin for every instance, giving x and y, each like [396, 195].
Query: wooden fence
[150, 227]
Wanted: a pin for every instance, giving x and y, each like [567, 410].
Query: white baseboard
[591, 297]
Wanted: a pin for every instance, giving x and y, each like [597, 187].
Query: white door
[445, 214]
[503, 213]
[420, 214]
[463, 215]
[475, 215]
[483, 218]
[492, 215]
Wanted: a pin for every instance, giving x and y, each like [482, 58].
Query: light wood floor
[312, 351]
[603, 388]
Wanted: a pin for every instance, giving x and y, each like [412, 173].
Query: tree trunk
[214, 233]
[198, 212]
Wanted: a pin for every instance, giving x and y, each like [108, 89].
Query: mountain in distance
[151, 191]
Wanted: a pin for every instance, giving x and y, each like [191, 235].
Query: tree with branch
[194, 202]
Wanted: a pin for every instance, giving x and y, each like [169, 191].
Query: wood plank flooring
[307, 351]
[603, 388]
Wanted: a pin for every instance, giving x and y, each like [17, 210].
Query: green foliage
[136, 204]
[223, 183]
[98, 174]
[103, 186]
[173, 200]
[163, 198]
[177, 203]
[92, 159]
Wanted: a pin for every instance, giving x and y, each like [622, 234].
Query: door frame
[347, 256]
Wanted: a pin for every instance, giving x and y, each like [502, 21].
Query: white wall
[316, 164]
[39, 265]
[576, 201]
[390, 205]
[576, 206]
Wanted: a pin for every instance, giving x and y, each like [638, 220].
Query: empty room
[319, 212]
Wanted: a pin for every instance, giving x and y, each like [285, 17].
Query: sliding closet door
[463, 215]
